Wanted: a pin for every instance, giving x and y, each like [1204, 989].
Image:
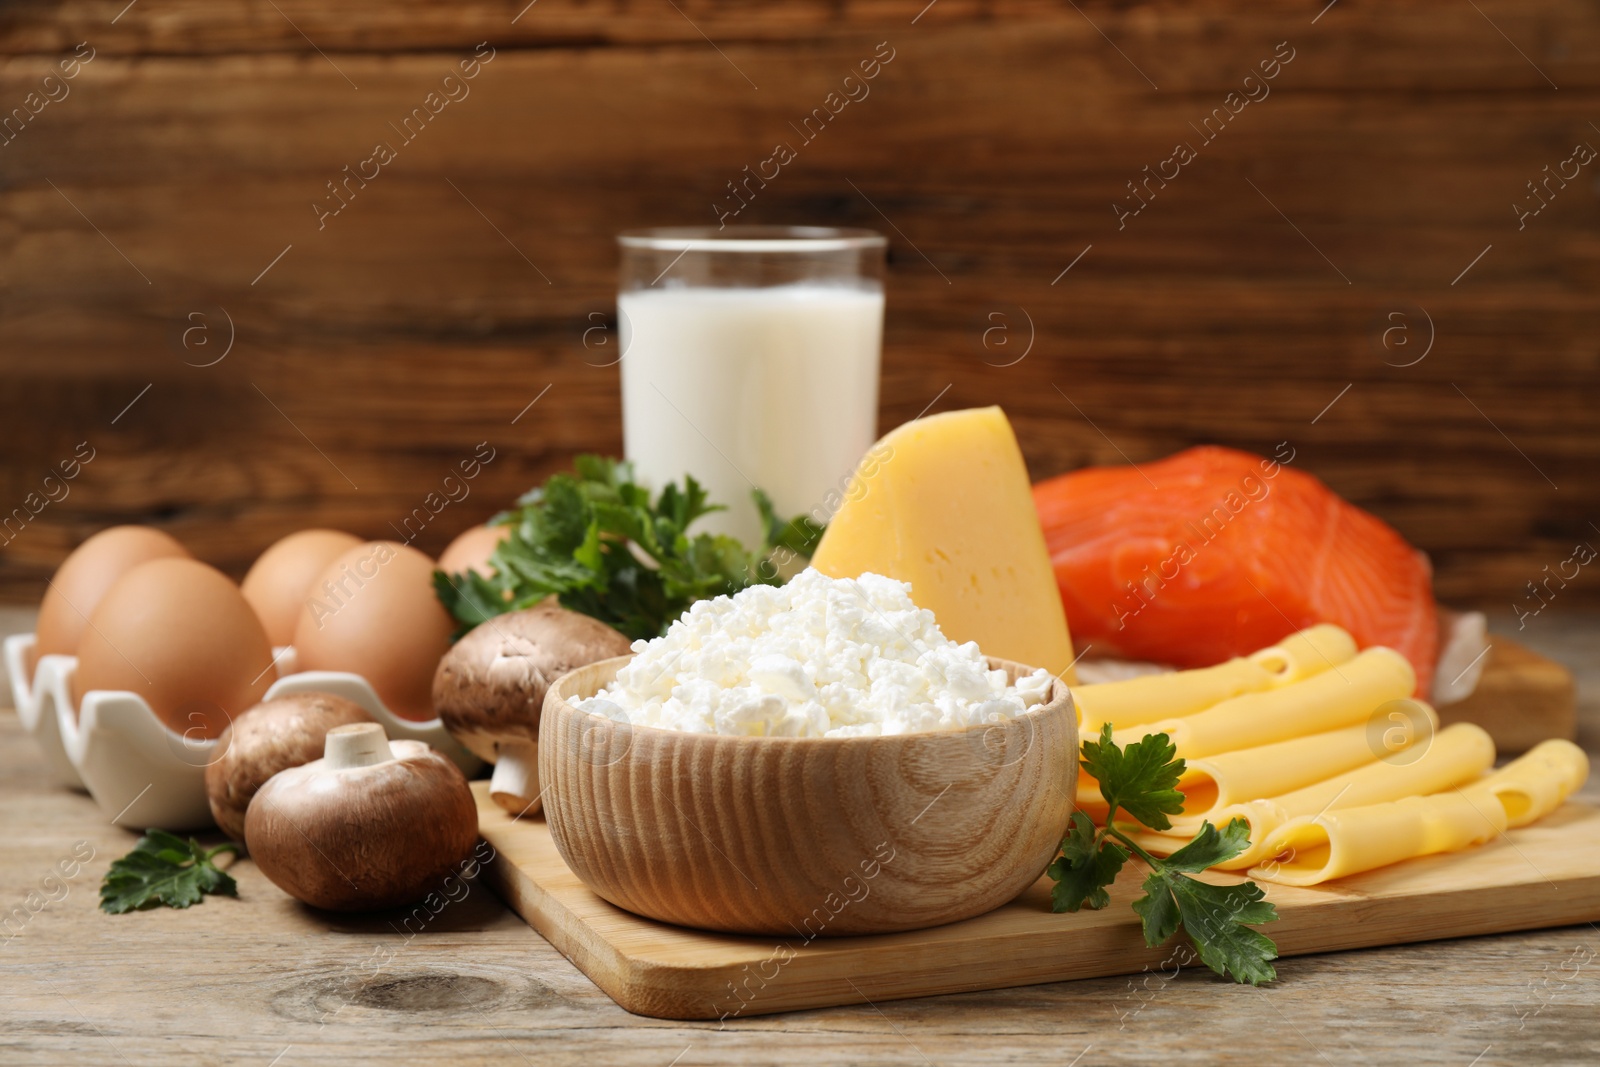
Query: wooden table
[263, 980]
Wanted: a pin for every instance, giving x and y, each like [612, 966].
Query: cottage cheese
[818, 657]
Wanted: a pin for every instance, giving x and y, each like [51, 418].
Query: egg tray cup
[139, 771]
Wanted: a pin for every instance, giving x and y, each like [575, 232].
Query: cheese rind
[944, 503]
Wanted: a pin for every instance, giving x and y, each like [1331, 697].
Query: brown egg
[471, 551]
[181, 635]
[280, 577]
[86, 575]
[374, 613]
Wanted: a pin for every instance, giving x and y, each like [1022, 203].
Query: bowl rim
[1065, 702]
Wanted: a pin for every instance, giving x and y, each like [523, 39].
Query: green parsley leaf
[1141, 779]
[1217, 919]
[599, 543]
[1084, 868]
[165, 869]
[1210, 848]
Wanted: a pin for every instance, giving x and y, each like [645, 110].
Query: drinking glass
[750, 358]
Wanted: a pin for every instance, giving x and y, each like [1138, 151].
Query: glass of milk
[750, 359]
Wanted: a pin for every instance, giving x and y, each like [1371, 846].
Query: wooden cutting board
[1522, 698]
[1543, 875]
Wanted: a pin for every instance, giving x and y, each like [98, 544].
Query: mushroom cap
[490, 687]
[270, 737]
[364, 837]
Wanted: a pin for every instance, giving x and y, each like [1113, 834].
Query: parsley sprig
[165, 869]
[1141, 781]
[601, 545]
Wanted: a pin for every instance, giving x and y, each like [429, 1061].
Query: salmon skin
[1214, 553]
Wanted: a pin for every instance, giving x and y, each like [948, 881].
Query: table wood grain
[263, 980]
[1329, 222]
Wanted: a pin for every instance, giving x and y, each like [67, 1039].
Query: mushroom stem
[515, 785]
[359, 744]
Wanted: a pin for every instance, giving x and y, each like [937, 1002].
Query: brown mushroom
[270, 737]
[490, 688]
[373, 824]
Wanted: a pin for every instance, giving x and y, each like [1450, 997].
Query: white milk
[773, 387]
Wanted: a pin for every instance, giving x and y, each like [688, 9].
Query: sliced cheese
[1535, 784]
[1152, 697]
[1306, 652]
[1340, 696]
[1214, 783]
[1314, 848]
[944, 503]
[1456, 755]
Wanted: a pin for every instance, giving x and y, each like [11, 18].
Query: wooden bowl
[806, 837]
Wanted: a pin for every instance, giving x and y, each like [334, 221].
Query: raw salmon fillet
[1214, 553]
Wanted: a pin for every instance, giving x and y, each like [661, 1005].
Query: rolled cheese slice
[1176, 694]
[1456, 756]
[1341, 696]
[1314, 848]
[1165, 696]
[1306, 851]
[1214, 783]
[1535, 784]
[1156, 697]
[1307, 652]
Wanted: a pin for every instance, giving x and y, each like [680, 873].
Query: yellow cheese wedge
[1312, 849]
[944, 503]
[1457, 755]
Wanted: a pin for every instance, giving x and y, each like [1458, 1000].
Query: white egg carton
[138, 770]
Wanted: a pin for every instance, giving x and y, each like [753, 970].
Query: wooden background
[377, 352]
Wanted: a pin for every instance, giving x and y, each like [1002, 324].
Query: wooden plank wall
[1377, 179]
